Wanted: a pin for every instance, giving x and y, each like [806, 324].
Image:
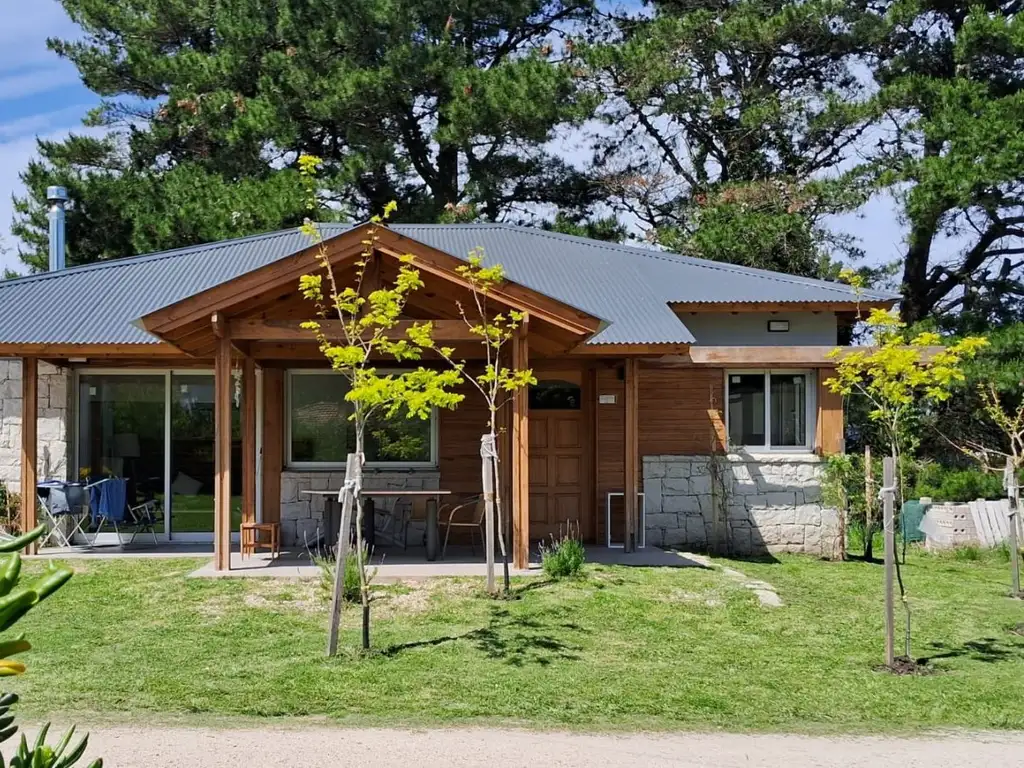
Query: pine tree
[212, 101]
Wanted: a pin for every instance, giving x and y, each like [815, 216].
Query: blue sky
[41, 95]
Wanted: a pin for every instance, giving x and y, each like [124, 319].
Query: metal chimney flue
[56, 197]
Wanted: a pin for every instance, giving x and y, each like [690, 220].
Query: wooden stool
[251, 538]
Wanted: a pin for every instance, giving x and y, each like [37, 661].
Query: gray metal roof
[626, 286]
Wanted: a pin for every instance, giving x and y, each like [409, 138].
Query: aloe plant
[17, 599]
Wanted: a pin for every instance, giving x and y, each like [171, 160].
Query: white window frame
[811, 406]
[333, 465]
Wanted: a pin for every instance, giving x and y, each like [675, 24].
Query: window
[321, 433]
[768, 409]
[555, 396]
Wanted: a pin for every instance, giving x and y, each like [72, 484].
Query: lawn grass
[625, 647]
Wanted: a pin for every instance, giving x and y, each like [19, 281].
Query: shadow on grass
[516, 641]
[987, 649]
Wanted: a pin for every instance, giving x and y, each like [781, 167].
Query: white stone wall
[53, 424]
[771, 503]
[302, 515]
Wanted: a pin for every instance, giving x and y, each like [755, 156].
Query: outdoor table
[402, 493]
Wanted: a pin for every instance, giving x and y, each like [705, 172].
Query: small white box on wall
[606, 399]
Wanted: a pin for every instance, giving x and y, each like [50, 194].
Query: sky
[42, 96]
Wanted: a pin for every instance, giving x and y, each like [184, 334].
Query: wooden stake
[487, 448]
[1013, 493]
[889, 528]
[869, 504]
[352, 472]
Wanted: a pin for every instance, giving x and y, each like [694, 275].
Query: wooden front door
[559, 469]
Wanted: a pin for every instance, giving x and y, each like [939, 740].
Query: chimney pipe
[56, 197]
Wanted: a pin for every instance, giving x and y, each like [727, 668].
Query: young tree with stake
[896, 377]
[356, 327]
[496, 384]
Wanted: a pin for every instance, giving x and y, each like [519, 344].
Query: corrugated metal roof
[600, 281]
[98, 303]
[628, 287]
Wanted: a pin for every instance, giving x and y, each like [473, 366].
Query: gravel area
[273, 746]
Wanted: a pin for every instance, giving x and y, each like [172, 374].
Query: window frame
[810, 406]
[334, 465]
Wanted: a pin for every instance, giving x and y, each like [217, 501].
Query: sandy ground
[167, 747]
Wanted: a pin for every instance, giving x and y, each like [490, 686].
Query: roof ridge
[721, 266]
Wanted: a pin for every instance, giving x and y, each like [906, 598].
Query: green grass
[624, 647]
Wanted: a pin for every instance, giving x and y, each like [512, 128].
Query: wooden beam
[632, 445]
[29, 445]
[829, 437]
[639, 350]
[808, 356]
[223, 396]
[249, 440]
[541, 306]
[704, 307]
[255, 329]
[273, 442]
[158, 351]
[521, 454]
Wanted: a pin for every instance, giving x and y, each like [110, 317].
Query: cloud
[23, 33]
[15, 154]
[35, 81]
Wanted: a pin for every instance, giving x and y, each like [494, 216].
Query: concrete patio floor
[392, 564]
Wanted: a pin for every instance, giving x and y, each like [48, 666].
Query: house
[679, 401]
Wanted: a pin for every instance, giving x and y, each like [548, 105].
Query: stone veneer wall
[772, 503]
[54, 420]
[302, 516]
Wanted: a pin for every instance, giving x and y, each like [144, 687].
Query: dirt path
[170, 747]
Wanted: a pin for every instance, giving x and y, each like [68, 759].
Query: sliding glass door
[121, 432]
[156, 429]
[192, 456]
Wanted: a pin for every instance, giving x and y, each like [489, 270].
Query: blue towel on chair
[113, 495]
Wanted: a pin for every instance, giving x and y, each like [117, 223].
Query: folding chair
[109, 505]
[145, 519]
[60, 500]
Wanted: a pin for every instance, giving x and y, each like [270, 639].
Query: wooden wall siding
[681, 411]
[458, 445]
[829, 431]
[273, 442]
[611, 441]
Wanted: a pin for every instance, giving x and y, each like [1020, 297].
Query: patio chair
[472, 511]
[63, 501]
[109, 502]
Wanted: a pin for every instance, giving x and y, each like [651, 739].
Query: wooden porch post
[521, 454]
[249, 440]
[223, 386]
[632, 450]
[273, 442]
[29, 455]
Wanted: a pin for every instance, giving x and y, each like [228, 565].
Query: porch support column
[632, 370]
[29, 452]
[521, 454]
[248, 440]
[223, 386]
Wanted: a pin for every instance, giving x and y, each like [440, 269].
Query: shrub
[564, 558]
[968, 553]
[956, 485]
[350, 587]
[10, 503]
